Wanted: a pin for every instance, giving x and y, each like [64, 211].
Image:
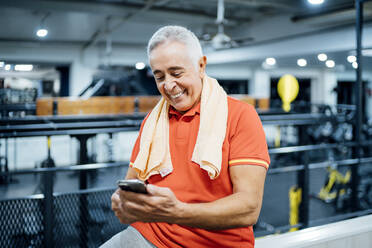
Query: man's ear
[202, 63]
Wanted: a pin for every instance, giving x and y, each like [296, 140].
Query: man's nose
[169, 85]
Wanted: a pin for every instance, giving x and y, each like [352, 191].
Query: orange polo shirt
[244, 144]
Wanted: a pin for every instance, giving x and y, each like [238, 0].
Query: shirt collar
[191, 112]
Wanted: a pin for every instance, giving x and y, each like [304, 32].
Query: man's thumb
[156, 190]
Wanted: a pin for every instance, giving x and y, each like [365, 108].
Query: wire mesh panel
[80, 220]
[84, 219]
[21, 222]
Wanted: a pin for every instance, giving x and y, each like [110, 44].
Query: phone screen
[133, 185]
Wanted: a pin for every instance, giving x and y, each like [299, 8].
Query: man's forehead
[169, 58]
[172, 68]
[169, 48]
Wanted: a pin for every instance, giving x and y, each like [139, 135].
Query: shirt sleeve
[248, 143]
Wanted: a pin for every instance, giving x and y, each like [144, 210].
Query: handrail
[94, 166]
[290, 149]
[319, 165]
[82, 131]
[81, 167]
[72, 125]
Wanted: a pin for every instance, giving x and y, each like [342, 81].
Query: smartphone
[133, 185]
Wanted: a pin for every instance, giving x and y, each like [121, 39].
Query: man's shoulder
[237, 107]
[241, 116]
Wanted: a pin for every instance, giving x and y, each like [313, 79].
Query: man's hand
[159, 205]
[240, 209]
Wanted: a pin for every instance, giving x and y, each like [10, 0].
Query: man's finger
[115, 201]
[115, 197]
[127, 195]
[156, 190]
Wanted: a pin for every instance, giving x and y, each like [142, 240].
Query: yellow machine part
[334, 177]
[295, 198]
[277, 137]
[49, 142]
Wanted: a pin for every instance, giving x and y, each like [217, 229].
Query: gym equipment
[335, 185]
[295, 198]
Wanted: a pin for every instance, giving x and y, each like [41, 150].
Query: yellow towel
[154, 156]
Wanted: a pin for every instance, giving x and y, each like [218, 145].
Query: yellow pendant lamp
[288, 90]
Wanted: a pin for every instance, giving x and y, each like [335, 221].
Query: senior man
[202, 153]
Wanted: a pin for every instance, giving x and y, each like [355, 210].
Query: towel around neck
[154, 154]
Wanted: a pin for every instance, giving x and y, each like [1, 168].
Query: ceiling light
[266, 66]
[7, 67]
[2, 64]
[316, 1]
[42, 32]
[322, 57]
[351, 58]
[23, 67]
[301, 62]
[140, 65]
[355, 65]
[270, 61]
[330, 63]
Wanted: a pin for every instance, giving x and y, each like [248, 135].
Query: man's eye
[159, 78]
[177, 74]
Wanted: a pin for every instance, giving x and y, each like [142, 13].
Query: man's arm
[240, 209]
[131, 173]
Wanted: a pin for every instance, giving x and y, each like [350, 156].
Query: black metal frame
[358, 98]
[76, 125]
[81, 128]
[49, 195]
[85, 127]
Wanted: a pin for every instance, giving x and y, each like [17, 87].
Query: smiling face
[178, 78]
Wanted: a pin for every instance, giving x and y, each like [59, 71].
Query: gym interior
[75, 85]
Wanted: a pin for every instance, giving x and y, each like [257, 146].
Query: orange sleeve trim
[247, 160]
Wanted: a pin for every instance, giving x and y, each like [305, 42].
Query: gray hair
[180, 34]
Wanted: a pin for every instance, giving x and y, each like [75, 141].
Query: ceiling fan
[221, 40]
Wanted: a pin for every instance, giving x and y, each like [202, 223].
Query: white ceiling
[128, 22]
[131, 22]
